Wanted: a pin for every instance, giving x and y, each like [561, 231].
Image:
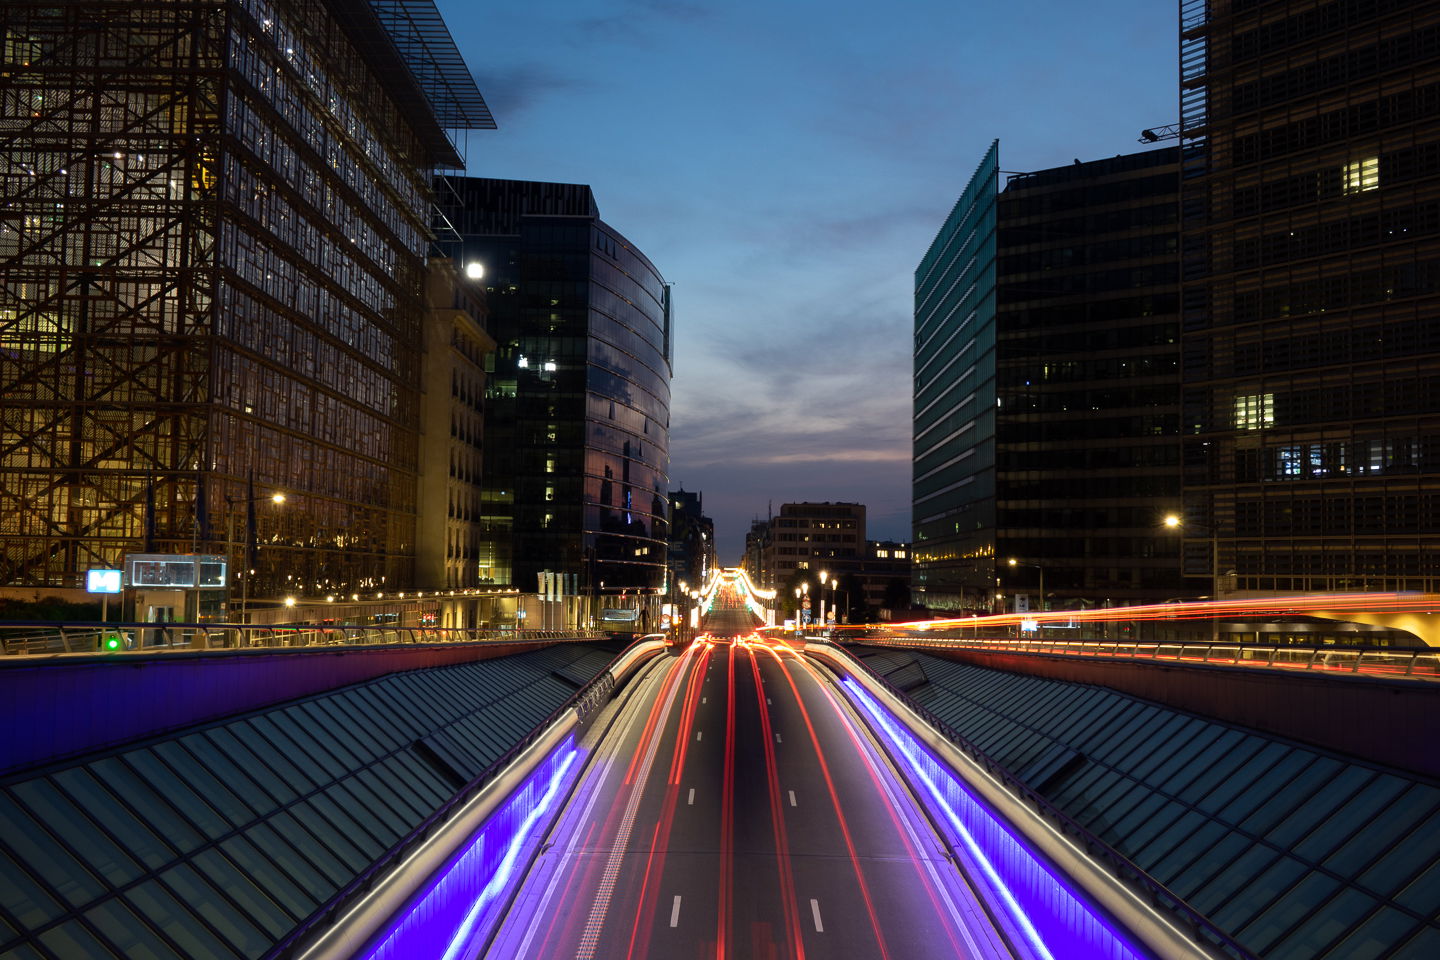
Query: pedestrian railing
[1423, 663]
[50, 639]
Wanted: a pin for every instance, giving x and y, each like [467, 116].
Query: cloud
[631, 20]
[513, 90]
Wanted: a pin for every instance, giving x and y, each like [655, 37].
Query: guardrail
[1420, 663]
[120, 639]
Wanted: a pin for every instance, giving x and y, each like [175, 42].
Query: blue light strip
[1056, 922]
[464, 897]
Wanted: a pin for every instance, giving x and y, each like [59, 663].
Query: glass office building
[1047, 389]
[211, 281]
[953, 482]
[577, 411]
[1311, 258]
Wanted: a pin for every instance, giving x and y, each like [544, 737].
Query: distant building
[812, 537]
[1311, 287]
[577, 412]
[757, 539]
[1047, 388]
[452, 417]
[692, 539]
[212, 256]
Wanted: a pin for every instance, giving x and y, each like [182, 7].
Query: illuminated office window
[1362, 175]
[1255, 411]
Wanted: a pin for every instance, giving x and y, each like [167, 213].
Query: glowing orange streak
[777, 814]
[727, 813]
[839, 813]
[1203, 609]
[660, 841]
[912, 854]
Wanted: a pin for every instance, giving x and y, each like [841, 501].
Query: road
[732, 807]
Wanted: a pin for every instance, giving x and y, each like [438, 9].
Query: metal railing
[1421, 663]
[39, 638]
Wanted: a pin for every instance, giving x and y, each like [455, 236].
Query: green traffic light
[112, 642]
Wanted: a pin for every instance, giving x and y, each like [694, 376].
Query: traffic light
[112, 641]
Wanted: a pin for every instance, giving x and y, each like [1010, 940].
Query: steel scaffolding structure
[212, 252]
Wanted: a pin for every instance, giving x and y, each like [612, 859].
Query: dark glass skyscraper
[1047, 388]
[1088, 359]
[1311, 131]
[578, 406]
[953, 496]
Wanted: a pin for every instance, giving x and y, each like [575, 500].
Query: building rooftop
[433, 85]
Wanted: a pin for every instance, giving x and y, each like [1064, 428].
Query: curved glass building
[578, 406]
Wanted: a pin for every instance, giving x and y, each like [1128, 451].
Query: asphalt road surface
[733, 807]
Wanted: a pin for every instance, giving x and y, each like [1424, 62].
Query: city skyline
[792, 187]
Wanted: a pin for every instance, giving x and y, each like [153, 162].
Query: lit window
[1255, 411]
[899, 554]
[1362, 175]
[882, 553]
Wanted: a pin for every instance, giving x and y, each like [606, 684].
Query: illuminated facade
[810, 537]
[578, 399]
[211, 281]
[448, 539]
[1311, 254]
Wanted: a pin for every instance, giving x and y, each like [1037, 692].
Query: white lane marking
[675, 912]
[792, 799]
[699, 734]
[691, 801]
[767, 700]
[704, 699]
[815, 912]
[777, 738]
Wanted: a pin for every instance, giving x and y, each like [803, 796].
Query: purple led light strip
[1054, 920]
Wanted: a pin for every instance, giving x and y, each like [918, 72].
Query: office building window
[1254, 411]
[1362, 175]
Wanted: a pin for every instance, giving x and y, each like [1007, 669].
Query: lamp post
[1020, 563]
[249, 501]
[1173, 522]
[823, 577]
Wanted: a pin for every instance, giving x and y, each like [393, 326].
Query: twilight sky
[785, 164]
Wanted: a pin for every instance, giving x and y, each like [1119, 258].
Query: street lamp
[1020, 563]
[1174, 522]
[823, 577]
[249, 501]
